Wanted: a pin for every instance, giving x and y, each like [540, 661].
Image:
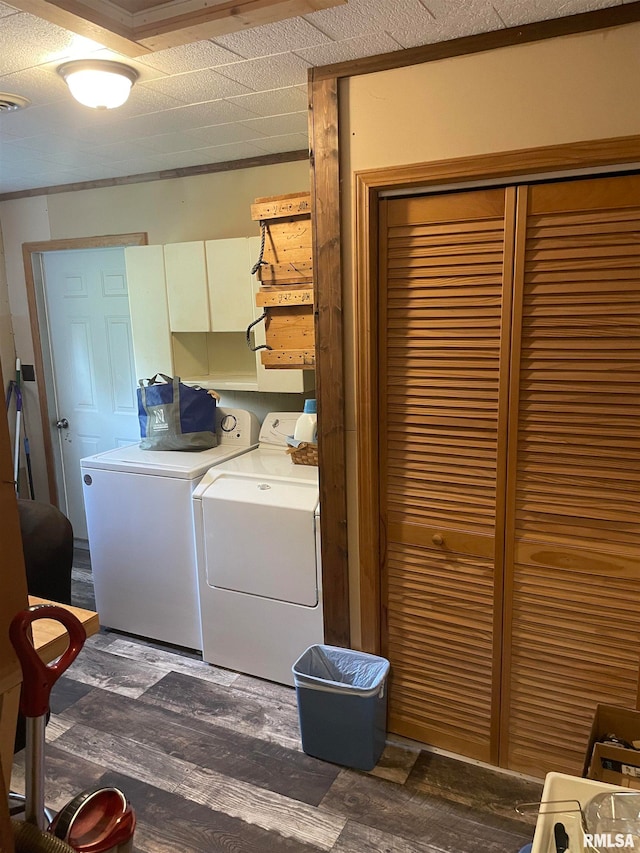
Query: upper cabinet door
[230, 284]
[149, 312]
[187, 291]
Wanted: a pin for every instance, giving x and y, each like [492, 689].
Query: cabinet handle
[262, 317]
[437, 539]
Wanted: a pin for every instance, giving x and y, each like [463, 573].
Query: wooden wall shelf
[286, 281]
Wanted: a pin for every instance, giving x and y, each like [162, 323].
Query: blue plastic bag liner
[294, 442]
[333, 669]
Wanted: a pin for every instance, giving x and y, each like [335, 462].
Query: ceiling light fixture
[98, 83]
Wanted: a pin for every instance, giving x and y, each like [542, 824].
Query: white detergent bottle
[306, 428]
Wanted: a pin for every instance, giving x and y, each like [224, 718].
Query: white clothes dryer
[257, 523]
[140, 526]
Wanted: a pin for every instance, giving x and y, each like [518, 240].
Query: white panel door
[92, 360]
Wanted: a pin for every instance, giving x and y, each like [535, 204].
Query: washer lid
[161, 463]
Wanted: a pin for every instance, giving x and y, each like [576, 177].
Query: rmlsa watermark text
[608, 840]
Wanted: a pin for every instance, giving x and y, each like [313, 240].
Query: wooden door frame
[326, 204]
[29, 253]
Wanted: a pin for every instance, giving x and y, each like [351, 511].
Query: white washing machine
[257, 523]
[140, 525]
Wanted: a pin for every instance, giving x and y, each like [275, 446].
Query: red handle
[39, 677]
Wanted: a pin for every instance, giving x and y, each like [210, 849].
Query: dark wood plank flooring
[211, 761]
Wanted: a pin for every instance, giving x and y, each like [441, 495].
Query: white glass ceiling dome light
[98, 83]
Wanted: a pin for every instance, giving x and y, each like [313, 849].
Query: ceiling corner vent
[9, 103]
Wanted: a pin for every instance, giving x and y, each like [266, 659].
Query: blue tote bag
[174, 416]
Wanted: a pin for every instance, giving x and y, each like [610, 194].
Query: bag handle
[168, 379]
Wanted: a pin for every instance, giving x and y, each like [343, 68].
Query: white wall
[28, 217]
[7, 349]
[196, 208]
[204, 207]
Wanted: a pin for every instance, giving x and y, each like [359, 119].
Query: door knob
[437, 539]
[63, 423]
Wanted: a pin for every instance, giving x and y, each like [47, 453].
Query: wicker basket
[304, 454]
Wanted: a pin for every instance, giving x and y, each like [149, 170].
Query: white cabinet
[152, 351]
[191, 304]
[230, 284]
[209, 285]
[187, 290]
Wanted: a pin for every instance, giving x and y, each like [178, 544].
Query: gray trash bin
[342, 705]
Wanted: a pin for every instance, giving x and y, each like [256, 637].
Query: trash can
[342, 705]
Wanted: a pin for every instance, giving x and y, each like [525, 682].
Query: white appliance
[140, 526]
[257, 523]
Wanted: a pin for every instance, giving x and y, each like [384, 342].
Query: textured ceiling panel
[278, 125]
[238, 95]
[359, 17]
[288, 142]
[269, 72]
[514, 12]
[348, 49]
[276, 38]
[275, 102]
[27, 41]
[198, 86]
[191, 57]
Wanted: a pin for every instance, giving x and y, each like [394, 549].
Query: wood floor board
[224, 706]
[65, 692]
[356, 838]
[473, 785]
[57, 726]
[268, 691]
[124, 755]
[111, 635]
[167, 823]
[396, 763]
[82, 594]
[401, 812]
[167, 661]
[66, 775]
[82, 564]
[270, 811]
[262, 763]
[98, 668]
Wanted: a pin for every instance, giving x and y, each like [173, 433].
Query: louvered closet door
[443, 416]
[573, 544]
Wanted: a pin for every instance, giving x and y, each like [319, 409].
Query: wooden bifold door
[509, 364]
